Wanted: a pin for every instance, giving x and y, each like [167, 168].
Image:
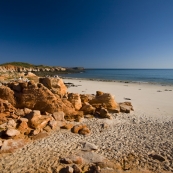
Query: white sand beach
[152, 100]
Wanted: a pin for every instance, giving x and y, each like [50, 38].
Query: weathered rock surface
[87, 108]
[7, 94]
[58, 116]
[103, 113]
[34, 96]
[126, 107]
[86, 97]
[81, 129]
[14, 68]
[105, 100]
[38, 121]
[75, 99]
[56, 85]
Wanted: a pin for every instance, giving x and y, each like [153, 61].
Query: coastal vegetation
[24, 64]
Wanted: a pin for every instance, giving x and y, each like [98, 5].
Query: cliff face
[11, 68]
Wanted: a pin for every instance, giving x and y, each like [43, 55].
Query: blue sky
[88, 33]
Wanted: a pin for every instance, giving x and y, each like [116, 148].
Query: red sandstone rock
[37, 121]
[105, 100]
[103, 113]
[67, 126]
[86, 97]
[6, 106]
[81, 129]
[75, 99]
[126, 107]
[53, 124]
[23, 126]
[76, 128]
[7, 94]
[56, 85]
[58, 116]
[84, 131]
[99, 93]
[87, 108]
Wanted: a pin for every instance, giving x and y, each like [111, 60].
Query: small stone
[104, 113]
[84, 131]
[23, 119]
[11, 124]
[53, 124]
[12, 132]
[87, 146]
[20, 112]
[67, 126]
[76, 128]
[27, 111]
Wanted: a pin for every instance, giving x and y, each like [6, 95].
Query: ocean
[161, 76]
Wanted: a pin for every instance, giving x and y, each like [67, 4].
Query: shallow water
[161, 76]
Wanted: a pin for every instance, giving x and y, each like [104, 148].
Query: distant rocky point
[26, 67]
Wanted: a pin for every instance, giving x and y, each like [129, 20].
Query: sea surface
[161, 76]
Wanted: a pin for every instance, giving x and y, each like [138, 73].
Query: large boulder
[38, 97]
[75, 99]
[56, 85]
[34, 96]
[105, 100]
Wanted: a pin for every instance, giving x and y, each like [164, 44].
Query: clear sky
[88, 33]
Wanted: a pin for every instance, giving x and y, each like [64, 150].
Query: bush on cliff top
[22, 64]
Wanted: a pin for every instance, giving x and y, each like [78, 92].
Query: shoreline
[119, 81]
[154, 100]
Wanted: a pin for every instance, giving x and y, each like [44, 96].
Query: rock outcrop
[105, 100]
[36, 97]
[55, 85]
[14, 68]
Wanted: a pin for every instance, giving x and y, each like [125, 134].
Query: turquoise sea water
[162, 76]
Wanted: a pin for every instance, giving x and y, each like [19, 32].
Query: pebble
[146, 136]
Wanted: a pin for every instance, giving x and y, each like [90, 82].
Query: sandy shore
[146, 134]
[152, 100]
